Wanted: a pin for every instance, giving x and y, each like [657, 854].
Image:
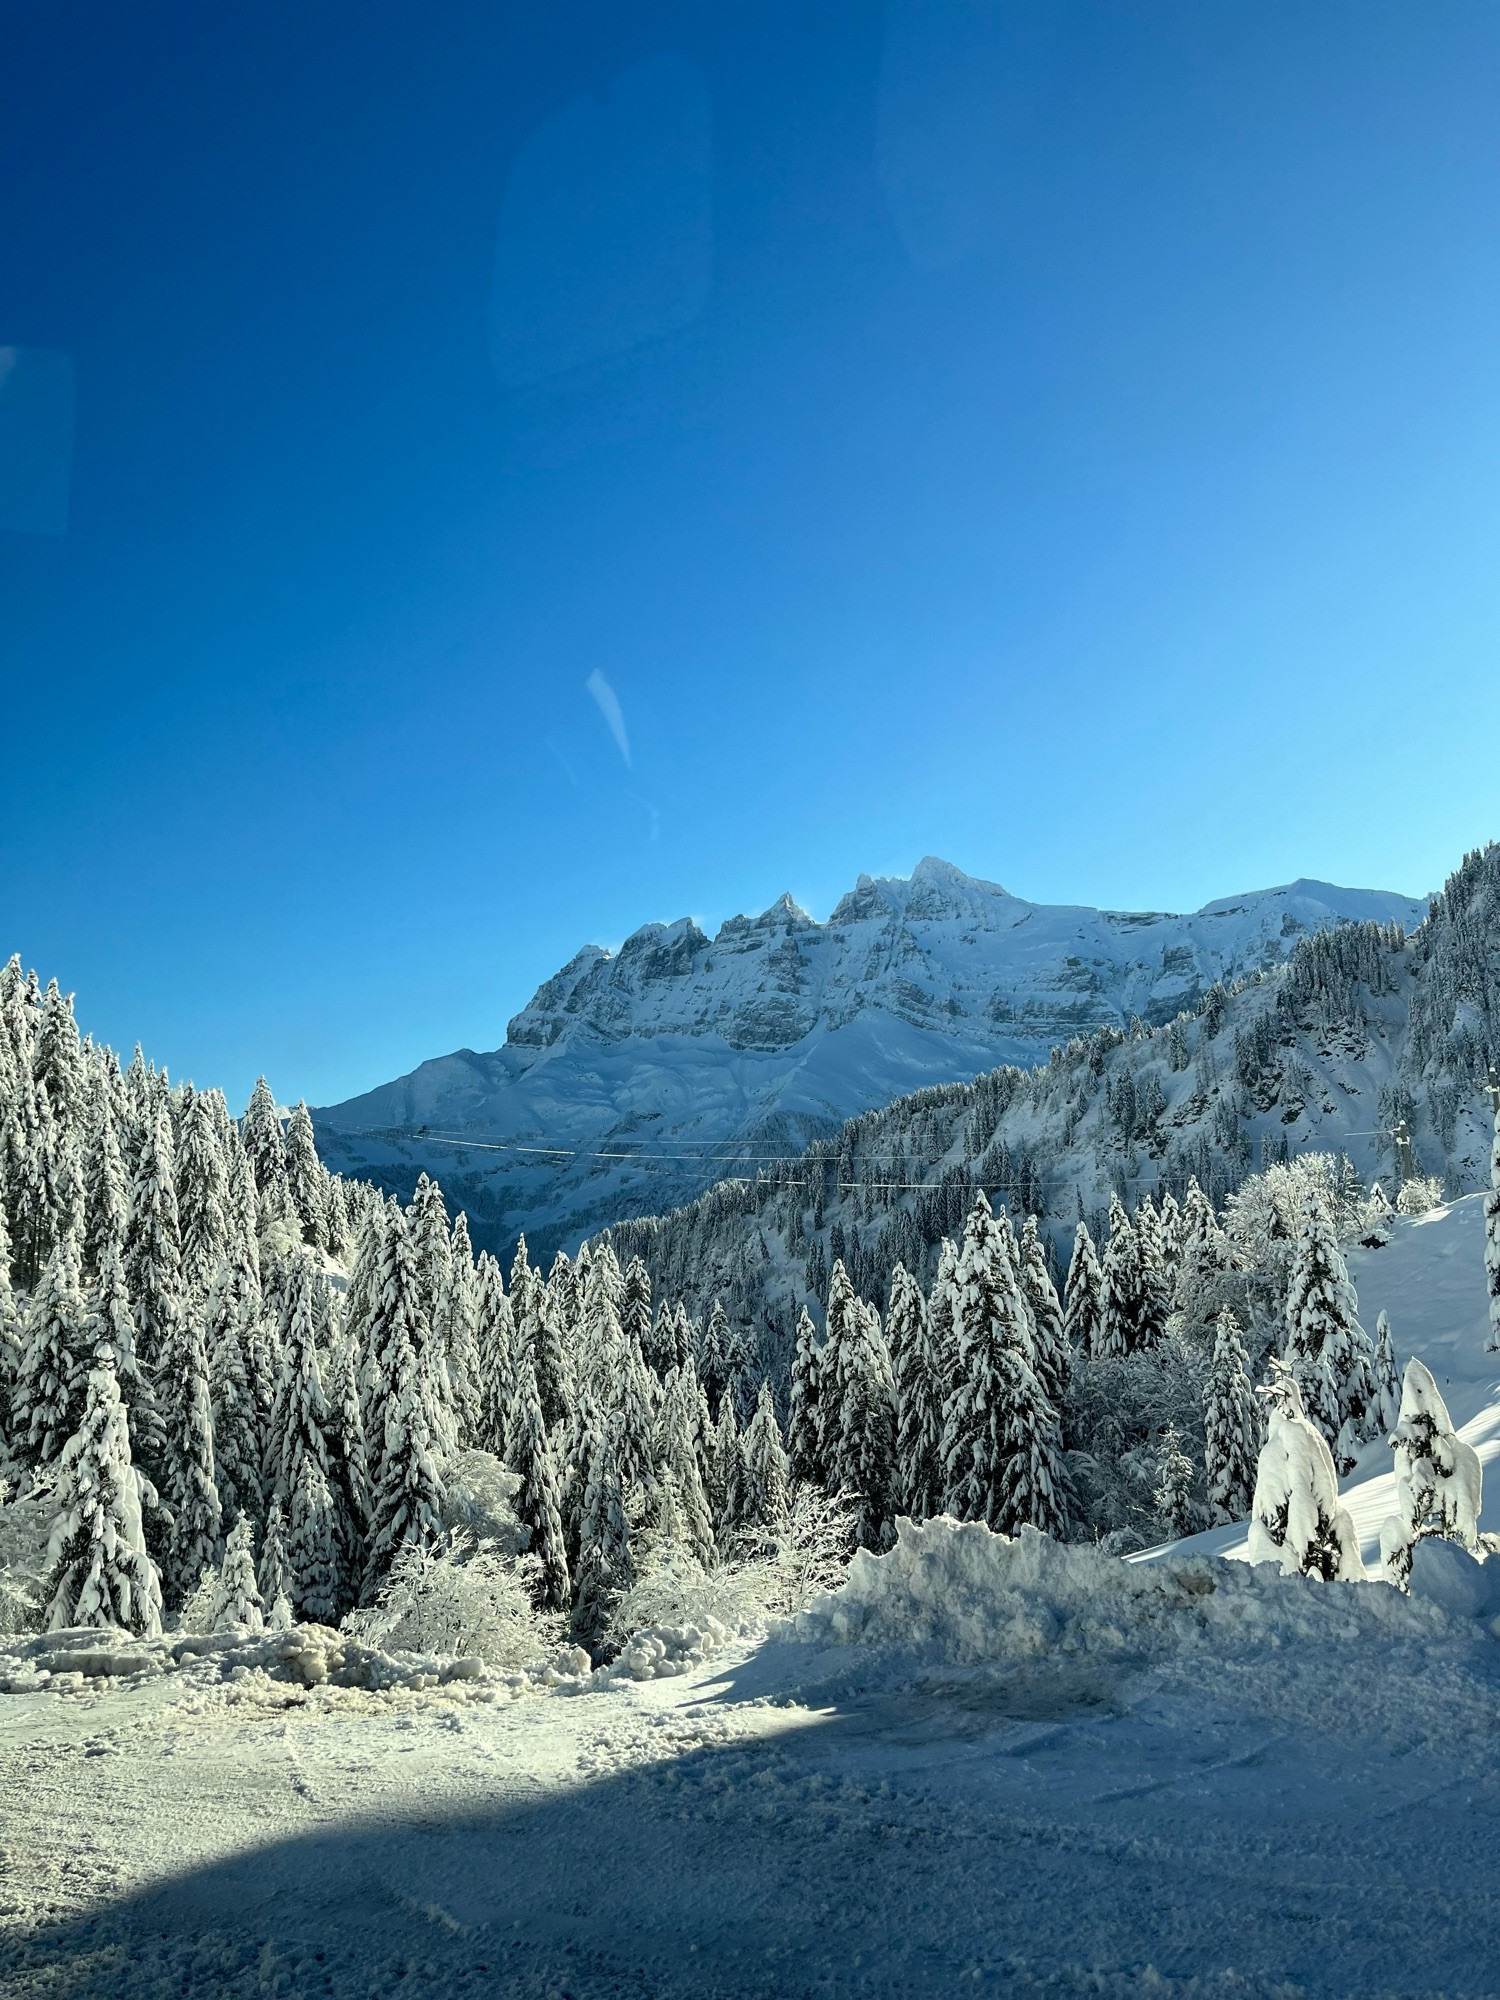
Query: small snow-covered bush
[772, 1571]
[1439, 1480]
[200, 1612]
[1296, 1520]
[1420, 1194]
[460, 1597]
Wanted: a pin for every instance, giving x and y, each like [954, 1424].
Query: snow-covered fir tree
[201, 1180]
[863, 1454]
[804, 1428]
[726, 1473]
[606, 1564]
[101, 1571]
[189, 1487]
[1119, 1334]
[265, 1146]
[1296, 1520]
[52, 1381]
[1083, 1295]
[1439, 1480]
[1052, 1356]
[239, 1450]
[1387, 1383]
[1231, 1424]
[1002, 1454]
[305, 1179]
[458, 1331]
[767, 1489]
[239, 1600]
[153, 1243]
[273, 1577]
[919, 1405]
[106, 1207]
[299, 1454]
[406, 1477]
[537, 1501]
[1326, 1347]
[494, 1340]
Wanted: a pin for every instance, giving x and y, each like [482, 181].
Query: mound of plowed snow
[953, 1591]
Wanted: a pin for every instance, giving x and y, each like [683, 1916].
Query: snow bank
[663, 1651]
[308, 1655]
[957, 1592]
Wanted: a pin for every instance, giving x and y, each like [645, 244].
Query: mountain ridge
[778, 1027]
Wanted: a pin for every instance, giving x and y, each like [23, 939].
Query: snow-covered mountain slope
[1361, 1030]
[688, 1055]
[1430, 1280]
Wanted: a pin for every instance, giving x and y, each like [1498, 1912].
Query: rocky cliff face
[634, 1078]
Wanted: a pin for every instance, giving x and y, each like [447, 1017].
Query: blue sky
[476, 479]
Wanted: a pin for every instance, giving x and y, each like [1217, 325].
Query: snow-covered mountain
[634, 1079]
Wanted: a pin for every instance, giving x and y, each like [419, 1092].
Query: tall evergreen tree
[53, 1379]
[1083, 1295]
[1052, 1354]
[191, 1490]
[714, 1357]
[1326, 1348]
[240, 1601]
[274, 1577]
[238, 1444]
[307, 1184]
[767, 1490]
[919, 1400]
[458, 1330]
[265, 1145]
[1122, 1285]
[431, 1245]
[495, 1343]
[726, 1473]
[1001, 1450]
[537, 1505]
[406, 1473]
[864, 1456]
[804, 1427]
[1387, 1382]
[202, 1185]
[682, 1461]
[153, 1244]
[1231, 1425]
[106, 1201]
[635, 1308]
[101, 1573]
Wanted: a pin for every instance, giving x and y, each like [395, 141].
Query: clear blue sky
[1064, 438]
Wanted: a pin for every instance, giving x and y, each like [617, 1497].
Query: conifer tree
[153, 1244]
[767, 1491]
[606, 1567]
[1326, 1348]
[336, 1217]
[348, 1464]
[804, 1439]
[635, 1407]
[940, 1307]
[265, 1147]
[275, 1580]
[682, 1461]
[1122, 1285]
[1083, 1294]
[240, 1601]
[1052, 1355]
[1492, 1238]
[837, 1330]
[306, 1181]
[10, 1343]
[726, 1473]
[431, 1245]
[101, 1573]
[919, 1400]
[312, 1546]
[494, 1341]
[106, 1203]
[635, 1308]
[1296, 1520]
[536, 1502]
[714, 1359]
[238, 1446]
[406, 1476]
[202, 1185]
[458, 1328]
[190, 1488]
[864, 1453]
[52, 1383]
[1001, 1451]
[1231, 1425]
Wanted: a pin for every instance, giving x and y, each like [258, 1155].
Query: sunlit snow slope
[1430, 1280]
[694, 1055]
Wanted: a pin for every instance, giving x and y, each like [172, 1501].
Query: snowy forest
[235, 1387]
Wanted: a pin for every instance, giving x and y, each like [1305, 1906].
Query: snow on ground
[983, 1766]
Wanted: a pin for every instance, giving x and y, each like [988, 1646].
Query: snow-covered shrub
[1379, 1216]
[1418, 1195]
[479, 1492]
[459, 1597]
[1439, 1479]
[200, 1610]
[1296, 1520]
[771, 1571]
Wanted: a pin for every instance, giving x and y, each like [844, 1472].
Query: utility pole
[1406, 1162]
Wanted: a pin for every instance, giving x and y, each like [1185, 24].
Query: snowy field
[984, 1766]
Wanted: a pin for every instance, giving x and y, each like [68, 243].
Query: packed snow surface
[693, 1056]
